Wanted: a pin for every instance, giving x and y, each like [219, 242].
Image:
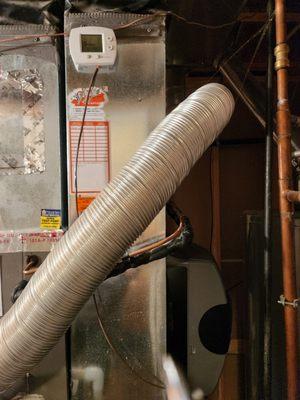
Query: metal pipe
[216, 206]
[267, 333]
[249, 91]
[286, 207]
[100, 236]
[216, 226]
[293, 196]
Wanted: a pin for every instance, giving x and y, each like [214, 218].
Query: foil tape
[22, 138]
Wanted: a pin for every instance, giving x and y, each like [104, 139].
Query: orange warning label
[89, 149]
[83, 203]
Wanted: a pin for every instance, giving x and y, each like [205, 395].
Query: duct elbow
[101, 235]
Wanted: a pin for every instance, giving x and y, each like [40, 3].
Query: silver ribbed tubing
[100, 236]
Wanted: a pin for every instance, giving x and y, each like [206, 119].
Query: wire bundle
[100, 236]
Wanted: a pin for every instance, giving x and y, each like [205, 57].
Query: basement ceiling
[196, 47]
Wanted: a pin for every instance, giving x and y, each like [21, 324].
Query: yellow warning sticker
[50, 219]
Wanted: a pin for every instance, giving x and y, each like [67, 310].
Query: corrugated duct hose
[98, 239]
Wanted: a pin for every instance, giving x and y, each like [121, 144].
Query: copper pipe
[285, 206]
[30, 271]
[293, 196]
[26, 37]
[216, 206]
[31, 266]
[153, 246]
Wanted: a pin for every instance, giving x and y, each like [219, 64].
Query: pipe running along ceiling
[100, 236]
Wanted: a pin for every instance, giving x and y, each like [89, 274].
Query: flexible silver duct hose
[100, 236]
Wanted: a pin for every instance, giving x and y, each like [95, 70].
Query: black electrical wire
[92, 82]
[173, 212]
[222, 61]
[18, 290]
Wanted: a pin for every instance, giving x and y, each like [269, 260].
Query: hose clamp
[284, 302]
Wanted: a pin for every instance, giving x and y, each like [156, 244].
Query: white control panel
[91, 46]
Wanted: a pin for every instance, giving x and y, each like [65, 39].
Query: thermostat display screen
[91, 43]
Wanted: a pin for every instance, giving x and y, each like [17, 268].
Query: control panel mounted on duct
[92, 46]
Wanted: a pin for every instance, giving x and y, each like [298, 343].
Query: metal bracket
[284, 302]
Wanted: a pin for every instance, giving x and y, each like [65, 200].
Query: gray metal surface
[203, 365]
[49, 378]
[128, 362]
[136, 88]
[26, 195]
[133, 305]
[204, 292]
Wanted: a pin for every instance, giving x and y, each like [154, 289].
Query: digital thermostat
[91, 46]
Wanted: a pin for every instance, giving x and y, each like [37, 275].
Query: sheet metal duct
[134, 91]
[29, 140]
[100, 236]
[132, 308]
[29, 170]
[197, 303]
[124, 5]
